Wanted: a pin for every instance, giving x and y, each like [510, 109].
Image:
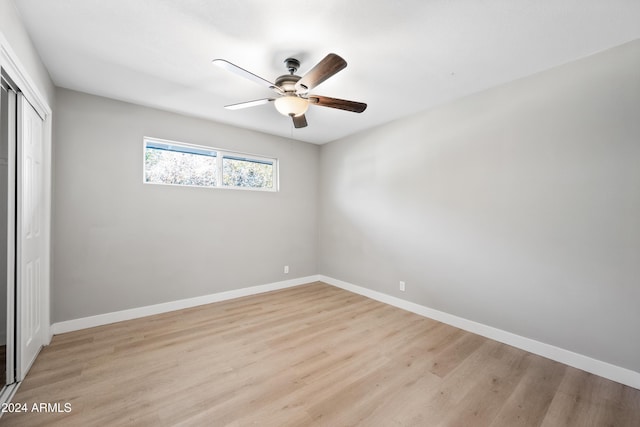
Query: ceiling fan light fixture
[293, 99]
[291, 105]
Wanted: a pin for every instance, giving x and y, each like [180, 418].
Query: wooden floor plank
[533, 394]
[310, 355]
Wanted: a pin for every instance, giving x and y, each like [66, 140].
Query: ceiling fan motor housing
[287, 82]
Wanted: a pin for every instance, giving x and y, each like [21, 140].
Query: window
[245, 172]
[179, 165]
[175, 163]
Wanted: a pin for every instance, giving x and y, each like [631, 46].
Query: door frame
[11, 65]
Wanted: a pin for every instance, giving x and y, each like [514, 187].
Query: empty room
[338, 213]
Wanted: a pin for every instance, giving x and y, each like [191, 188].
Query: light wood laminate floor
[310, 355]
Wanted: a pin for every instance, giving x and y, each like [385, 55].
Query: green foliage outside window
[170, 167]
[247, 173]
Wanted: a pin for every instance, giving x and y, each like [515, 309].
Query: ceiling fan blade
[249, 104]
[342, 104]
[324, 69]
[299, 121]
[224, 64]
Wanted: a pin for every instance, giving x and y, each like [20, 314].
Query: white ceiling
[404, 56]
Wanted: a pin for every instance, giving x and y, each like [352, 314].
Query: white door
[30, 250]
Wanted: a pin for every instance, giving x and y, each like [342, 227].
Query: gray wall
[119, 243]
[518, 207]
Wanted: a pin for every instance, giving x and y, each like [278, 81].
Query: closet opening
[8, 149]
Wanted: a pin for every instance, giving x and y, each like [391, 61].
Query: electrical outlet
[286, 269]
[402, 286]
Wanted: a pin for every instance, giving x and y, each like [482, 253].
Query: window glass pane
[164, 164]
[241, 172]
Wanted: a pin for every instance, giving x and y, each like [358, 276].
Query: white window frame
[220, 155]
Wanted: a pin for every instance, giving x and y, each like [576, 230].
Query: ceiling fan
[293, 91]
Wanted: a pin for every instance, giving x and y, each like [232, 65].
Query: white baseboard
[134, 313]
[594, 366]
[7, 393]
[585, 363]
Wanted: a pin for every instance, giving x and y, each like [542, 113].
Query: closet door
[30, 250]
